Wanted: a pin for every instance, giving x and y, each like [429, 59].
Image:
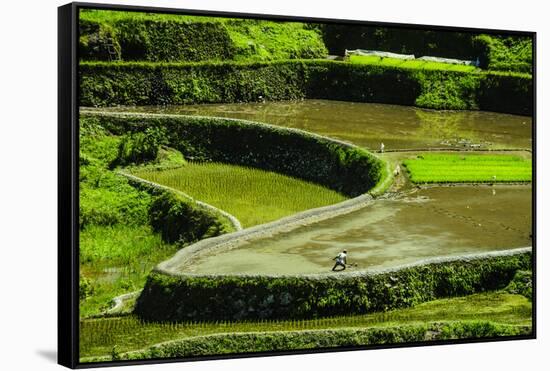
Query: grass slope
[253, 196]
[454, 168]
[99, 336]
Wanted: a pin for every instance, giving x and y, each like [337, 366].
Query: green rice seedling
[412, 64]
[460, 168]
[98, 336]
[252, 195]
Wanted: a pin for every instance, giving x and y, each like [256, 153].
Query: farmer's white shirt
[341, 258]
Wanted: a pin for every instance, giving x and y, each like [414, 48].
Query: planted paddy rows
[253, 196]
[99, 336]
[458, 168]
[412, 64]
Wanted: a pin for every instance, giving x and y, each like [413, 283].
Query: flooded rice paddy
[425, 223]
[417, 224]
[368, 124]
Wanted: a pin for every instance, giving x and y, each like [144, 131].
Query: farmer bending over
[340, 260]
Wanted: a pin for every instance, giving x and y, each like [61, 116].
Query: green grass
[454, 168]
[99, 336]
[413, 64]
[253, 40]
[107, 16]
[117, 260]
[118, 248]
[253, 196]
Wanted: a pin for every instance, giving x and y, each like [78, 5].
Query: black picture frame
[68, 187]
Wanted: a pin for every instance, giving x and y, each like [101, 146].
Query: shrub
[177, 220]
[94, 39]
[497, 91]
[522, 284]
[505, 53]
[105, 197]
[448, 90]
[85, 288]
[141, 147]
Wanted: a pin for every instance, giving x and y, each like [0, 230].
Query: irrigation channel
[410, 225]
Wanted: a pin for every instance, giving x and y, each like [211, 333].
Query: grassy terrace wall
[179, 297]
[339, 166]
[209, 345]
[155, 40]
[108, 200]
[166, 37]
[142, 83]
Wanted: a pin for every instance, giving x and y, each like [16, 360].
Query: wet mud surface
[424, 223]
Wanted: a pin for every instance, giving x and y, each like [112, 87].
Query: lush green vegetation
[180, 221]
[171, 37]
[185, 297]
[458, 45]
[118, 222]
[494, 52]
[456, 168]
[113, 207]
[506, 53]
[253, 196]
[117, 246]
[138, 148]
[348, 170]
[115, 260]
[100, 336]
[342, 337]
[127, 226]
[414, 63]
[145, 83]
[522, 284]
[166, 37]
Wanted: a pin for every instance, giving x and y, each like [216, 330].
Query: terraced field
[129, 333]
[457, 168]
[413, 64]
[427, 116]
[253, 196]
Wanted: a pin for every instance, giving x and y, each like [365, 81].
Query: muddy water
[368, 124]
[438, 221]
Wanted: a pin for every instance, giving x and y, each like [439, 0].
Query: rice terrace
[225, 163]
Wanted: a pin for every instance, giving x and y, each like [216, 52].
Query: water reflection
[449, 128]
[368, 124]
